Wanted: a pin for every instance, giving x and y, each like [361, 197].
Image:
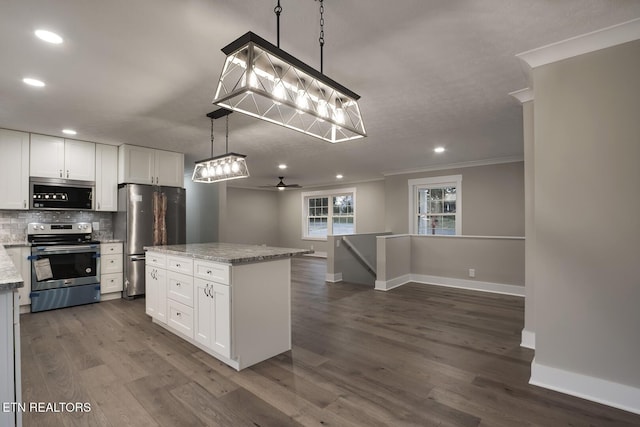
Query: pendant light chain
[278, 10]
[321, 39]
[227, 136]
[211, 137]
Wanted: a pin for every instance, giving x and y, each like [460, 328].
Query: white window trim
[325, 193]
[414, 184]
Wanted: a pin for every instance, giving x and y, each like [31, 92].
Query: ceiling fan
[281, 185]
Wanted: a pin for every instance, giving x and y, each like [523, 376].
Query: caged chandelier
[224, 167]
[264, 81]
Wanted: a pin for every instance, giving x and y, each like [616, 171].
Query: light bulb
[227, 168]
[219, 170]
[280, 188]
[302, 101]
[279, 90]
[323, 109]
[235, 167]
[211, 171]
[338, 116]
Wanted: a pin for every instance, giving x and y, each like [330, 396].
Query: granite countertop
[14, 243]
[9, 277]
[229, 253]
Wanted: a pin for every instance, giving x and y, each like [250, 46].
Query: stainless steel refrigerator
[147, 216]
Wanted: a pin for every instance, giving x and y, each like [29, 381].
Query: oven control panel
[59, 228]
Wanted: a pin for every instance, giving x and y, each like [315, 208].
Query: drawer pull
[209, 272]
[178, 284]
[178, 314]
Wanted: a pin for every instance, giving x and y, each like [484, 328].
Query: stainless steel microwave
[61, 194]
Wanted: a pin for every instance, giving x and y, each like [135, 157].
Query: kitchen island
[233, 301]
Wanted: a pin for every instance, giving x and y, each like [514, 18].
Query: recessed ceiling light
[69, 131]
[282, 166]
[48, 36]
[33, 82]
[339, 176]
[439, 149]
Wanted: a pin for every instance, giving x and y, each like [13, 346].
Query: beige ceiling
[429, 73]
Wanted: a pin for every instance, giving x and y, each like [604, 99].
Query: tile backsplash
[13, 224]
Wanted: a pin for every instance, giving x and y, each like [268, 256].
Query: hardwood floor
[414, 356]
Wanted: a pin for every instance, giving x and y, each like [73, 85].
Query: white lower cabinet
[156, 292]
[20, 257]
[111, 270]
[213, 315]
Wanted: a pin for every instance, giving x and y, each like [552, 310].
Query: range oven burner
[65, 265]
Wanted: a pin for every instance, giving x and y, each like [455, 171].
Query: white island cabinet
[232, 301]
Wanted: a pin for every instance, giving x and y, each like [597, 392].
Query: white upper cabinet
[14, 169]
[106, 194]
[170, 168]
[141, 165]
[53, 157]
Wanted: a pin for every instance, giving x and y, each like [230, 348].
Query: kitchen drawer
[180, 287]
[155, 259]
[110, 248]
[180, 317]
[110, 283]
[213, 271]
[110, 264]
[180, 265]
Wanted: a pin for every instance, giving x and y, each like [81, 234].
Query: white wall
[587, 224]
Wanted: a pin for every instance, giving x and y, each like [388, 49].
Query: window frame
[434, 182]
[305, 196]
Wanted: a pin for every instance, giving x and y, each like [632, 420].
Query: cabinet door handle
[178, 284]
[67, 173]
[98, 205]
[60, 173]
[152, 180]
[24, 203]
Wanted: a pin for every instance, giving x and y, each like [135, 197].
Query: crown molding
[486, 162]
[585, 43]
[523, 95]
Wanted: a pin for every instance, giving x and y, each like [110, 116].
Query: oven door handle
[65, 249]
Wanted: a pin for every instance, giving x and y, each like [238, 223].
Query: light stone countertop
[229, 253]
[9, 277]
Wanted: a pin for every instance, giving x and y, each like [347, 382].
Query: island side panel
[261, 301]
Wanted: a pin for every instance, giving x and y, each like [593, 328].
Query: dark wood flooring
[415, 356]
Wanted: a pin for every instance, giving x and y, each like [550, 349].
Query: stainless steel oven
[65, 265]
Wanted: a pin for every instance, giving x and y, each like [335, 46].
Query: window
[435, 205]
[328, 212]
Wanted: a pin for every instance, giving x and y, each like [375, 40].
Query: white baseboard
[385, 285]
[598, 390]
[333, 278]
[474, 285]
[528, 339]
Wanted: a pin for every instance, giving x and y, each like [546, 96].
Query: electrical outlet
[472, 272]
[95, 225]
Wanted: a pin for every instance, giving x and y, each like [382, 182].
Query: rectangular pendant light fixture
[263, 81]
[224, 167]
